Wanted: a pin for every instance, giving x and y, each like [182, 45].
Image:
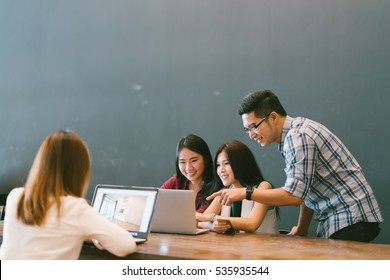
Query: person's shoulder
[15, 193]
[173, 182]
[16, 190]
[264, 185]
[169, 182]
[75, 204]
[76, 200]
[174, 177]
[304, 127]
[299, 123]
[302, 123]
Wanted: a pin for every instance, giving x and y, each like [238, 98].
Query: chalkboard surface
[132, 77]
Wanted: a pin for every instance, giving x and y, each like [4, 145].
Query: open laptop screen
[128, 206]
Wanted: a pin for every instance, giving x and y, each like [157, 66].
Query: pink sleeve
[170, 183]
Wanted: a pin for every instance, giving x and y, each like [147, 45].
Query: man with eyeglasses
[323, 177]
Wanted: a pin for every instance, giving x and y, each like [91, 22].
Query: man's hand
[296, 231]
[228, 196]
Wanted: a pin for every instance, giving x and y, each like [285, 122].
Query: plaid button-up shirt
[321, 171]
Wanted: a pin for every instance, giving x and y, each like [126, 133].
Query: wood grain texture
[246, 246]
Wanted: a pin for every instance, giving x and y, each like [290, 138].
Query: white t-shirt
[270, 222]
[60, 238]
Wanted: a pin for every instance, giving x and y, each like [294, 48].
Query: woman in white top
[48, 218]
[236, 167]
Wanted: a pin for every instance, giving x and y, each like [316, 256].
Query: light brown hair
[61, 167]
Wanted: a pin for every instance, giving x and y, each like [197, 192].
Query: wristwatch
[249, 191]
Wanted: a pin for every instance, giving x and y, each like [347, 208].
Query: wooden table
[248, 246]
[244, 246]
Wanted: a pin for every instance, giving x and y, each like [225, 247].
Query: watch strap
[249, 191]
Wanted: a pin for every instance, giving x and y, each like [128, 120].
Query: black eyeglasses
[255, 126]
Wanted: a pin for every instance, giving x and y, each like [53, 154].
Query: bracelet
[212, 217]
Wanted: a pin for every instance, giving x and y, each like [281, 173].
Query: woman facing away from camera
[194, 170]
[236, 167]
[48, 218]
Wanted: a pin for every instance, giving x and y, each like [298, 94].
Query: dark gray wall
[132, 77]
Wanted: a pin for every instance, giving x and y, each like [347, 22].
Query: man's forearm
[305, 216]
[275, 197]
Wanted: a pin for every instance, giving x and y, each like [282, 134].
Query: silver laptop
[131, 207]
[175, 213]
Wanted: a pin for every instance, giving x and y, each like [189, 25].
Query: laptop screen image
[131, 207]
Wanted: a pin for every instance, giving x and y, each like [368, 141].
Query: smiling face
[224, 170]
[267, 132]
[191, 165]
